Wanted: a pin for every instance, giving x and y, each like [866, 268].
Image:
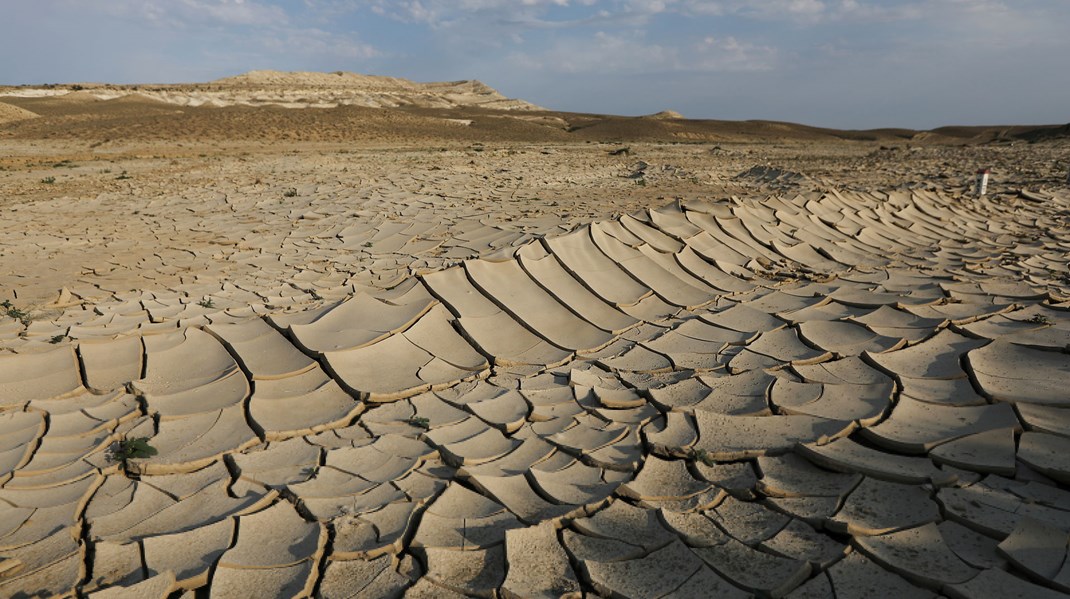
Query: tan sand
[10, 114]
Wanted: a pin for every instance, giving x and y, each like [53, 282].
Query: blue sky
[836, 63]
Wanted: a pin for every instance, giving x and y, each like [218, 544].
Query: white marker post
[982, 181]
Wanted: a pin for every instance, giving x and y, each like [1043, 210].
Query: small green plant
[420, 422]
[124, 450]
[106, 171]
[1039, 319]
[55, 339]
[48, 180]
[14, 312]
[640, 182]
[367, 244]
[701, 455]
[123, 176]
[290, 193]
[206, 303]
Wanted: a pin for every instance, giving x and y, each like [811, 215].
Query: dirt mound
[770, 174]
[10, 114]
[665, 114]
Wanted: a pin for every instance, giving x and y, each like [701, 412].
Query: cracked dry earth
[798, 392]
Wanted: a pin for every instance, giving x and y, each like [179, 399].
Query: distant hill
[303, 90]
[342, 106]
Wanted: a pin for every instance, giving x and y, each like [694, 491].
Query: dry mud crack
[811, 393]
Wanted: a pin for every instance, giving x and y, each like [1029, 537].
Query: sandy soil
[429, 352]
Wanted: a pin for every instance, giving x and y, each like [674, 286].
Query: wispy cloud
[183, 13]
[257, 26]
[632, 53]
[313, 42]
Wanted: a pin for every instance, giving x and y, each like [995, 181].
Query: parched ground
[528, 367]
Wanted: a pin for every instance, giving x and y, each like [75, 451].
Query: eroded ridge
[826, 395]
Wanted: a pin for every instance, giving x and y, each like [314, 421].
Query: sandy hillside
[10, 114]
[432, 351]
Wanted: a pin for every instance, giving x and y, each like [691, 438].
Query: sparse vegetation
[420, 422]
[11, 311]
[206, 303]
[1039, 319]
[55, 339]
[124, 450]
[290, 193]
[641, 182]
[48, 180]
[700, 455]
[123, 176]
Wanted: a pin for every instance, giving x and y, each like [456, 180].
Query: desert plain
[290, 335]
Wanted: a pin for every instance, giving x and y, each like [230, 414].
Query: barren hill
[301, 90]
[353, 107]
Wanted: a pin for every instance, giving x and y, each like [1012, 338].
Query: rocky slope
[306, 89]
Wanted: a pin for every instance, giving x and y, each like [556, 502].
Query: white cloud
[443, 12]
[233, 12]
[631, 13]
[182, 13]
[731, 54]
[632, 53]
[809, 12]
[251, 27]
[650, 7]
[317, 42]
